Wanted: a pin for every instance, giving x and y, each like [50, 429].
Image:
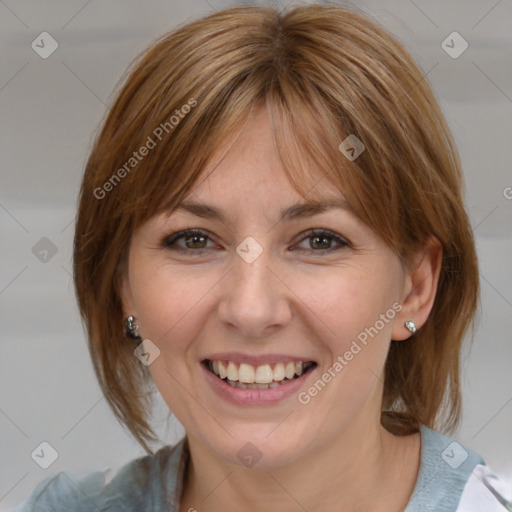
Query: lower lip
[240, 396]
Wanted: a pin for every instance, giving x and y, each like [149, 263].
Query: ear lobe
[420, 288]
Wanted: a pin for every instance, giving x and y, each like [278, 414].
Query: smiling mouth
[266, 376]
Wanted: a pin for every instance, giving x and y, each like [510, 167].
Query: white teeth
[222, 370]
[279, 372]
[246, 373]
[260, 377]
[289, 371]
[264, 374]
[232, 371]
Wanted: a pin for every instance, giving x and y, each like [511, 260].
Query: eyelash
[170, 241]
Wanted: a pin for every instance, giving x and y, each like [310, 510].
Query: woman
[271, 230]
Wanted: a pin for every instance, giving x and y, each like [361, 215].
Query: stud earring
[410, 326]
[131, 328]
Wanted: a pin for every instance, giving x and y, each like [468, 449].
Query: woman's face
[258, 292]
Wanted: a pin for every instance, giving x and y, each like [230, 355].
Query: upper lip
[256, 360]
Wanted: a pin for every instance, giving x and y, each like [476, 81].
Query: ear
[126, 296]
[420, 288]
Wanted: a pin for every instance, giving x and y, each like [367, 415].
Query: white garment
[485, 492]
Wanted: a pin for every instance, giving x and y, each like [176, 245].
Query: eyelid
[172, 238]
[169, 240]
[341, 240]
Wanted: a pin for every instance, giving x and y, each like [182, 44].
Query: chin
[260, 451]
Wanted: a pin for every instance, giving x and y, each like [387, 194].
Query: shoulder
[139, 485]
[487, 491]
[59, 492]
[449, 473]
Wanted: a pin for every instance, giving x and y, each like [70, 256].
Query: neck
[363, 469]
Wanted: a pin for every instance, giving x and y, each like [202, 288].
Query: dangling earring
[410, 326]
[131, 328]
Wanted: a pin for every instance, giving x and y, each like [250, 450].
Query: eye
[322, 240]
[194, 239]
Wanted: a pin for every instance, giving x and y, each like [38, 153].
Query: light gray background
[50, 109]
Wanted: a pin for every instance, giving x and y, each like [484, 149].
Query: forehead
[247, 188]
[248, 166]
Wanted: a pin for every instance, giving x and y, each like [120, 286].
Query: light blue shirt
[154, 483]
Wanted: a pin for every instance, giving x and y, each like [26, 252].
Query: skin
[333, 453]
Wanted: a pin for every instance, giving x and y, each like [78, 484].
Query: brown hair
[324, 72]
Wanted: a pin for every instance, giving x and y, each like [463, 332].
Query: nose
[255, 301]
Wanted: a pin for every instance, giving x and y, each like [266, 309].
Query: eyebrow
[293, 212]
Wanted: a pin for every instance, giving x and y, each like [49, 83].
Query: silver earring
[131, 328]
[410, 326]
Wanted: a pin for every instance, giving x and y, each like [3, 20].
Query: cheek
[173, 307]
[351, 300]
[338, 304]
[172, 311]
[345, 312]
